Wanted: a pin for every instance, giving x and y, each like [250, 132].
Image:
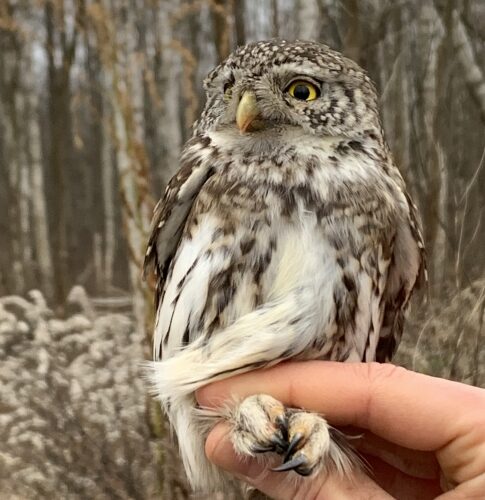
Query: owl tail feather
[279, 330]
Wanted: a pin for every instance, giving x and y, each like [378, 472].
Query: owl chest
[267, 242]
[252, 243]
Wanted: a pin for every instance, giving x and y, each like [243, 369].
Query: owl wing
[407, 271]
[170, 215]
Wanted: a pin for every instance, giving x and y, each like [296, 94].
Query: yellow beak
[247, 112]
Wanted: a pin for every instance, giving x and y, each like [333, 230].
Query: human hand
[419, 432]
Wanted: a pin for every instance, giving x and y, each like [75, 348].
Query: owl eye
[303, 91]
[228, 89]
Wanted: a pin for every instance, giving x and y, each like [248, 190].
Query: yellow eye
[303, 91]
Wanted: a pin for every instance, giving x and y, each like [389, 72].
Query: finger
[286, 486]
[407, 408]
[400, 484]
[470, 490]
[414, 463]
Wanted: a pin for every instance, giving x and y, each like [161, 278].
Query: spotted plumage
[286, 234]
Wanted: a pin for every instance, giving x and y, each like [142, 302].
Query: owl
[287, 234]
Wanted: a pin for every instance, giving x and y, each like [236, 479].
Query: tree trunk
[169, 87]
[239, 21]
[12, 156]
[39, 209]
[108, 202]
[220, 18]
[472, 70]
[122, 88]
[25, 188]
[308, 19]
[353, 30]
[430, 36]
[59, 134]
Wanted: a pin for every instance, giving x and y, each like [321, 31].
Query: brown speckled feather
[295, 239]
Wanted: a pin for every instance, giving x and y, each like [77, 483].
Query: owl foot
[260, 425]
[308, 443]
[305, 440]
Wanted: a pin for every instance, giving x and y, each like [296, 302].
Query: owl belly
[332, 261]
[219, 277]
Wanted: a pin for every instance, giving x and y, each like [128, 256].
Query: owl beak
[247, 113]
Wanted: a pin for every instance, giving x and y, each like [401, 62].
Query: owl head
[276, 85]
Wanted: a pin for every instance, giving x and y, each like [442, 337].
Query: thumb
[287, 486]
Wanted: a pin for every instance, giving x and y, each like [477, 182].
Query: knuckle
[379, 372]
[375, 375]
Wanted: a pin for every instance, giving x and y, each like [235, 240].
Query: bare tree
[62, 31]
[40, 226]
[123, 90]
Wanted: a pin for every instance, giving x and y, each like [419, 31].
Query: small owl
[286, 234]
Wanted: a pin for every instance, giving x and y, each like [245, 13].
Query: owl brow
[304, 78]
[297, 70]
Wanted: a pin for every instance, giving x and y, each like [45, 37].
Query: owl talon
[297, 439]
[257, 448]
[260, 426]
[294, 464]
[280, 444]
[282, 423]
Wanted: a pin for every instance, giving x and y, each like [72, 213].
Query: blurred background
[97, 98]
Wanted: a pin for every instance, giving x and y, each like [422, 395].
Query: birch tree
[39, 209]
[123, 89]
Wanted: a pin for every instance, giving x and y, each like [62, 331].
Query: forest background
[97, 98]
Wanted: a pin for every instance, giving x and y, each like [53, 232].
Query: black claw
[281, 420]
[282, 423]
[292, 464]
[294, 443]
[256, 448]
[280, 444]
